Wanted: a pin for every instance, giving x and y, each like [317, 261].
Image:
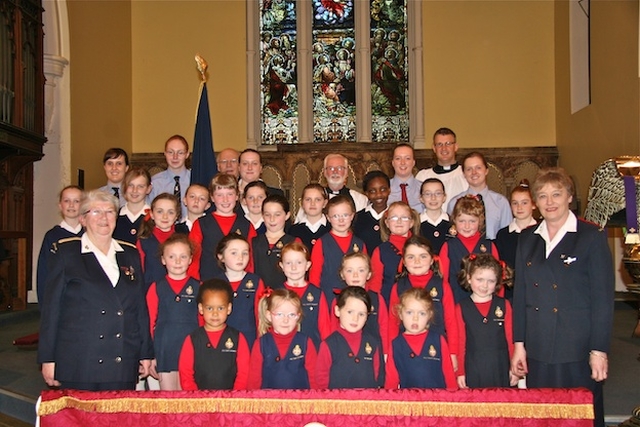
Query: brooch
[129, 272]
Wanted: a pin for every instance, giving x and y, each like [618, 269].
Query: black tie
[116, 192]
[176, 188]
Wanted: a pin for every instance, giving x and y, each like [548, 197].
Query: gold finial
[202, 66]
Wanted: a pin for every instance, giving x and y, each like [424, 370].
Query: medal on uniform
[279, 245]
[133, 231]
[436, 234]
[238, 231]
[432, 351]
[483, 248]
[177, 298]
[499, 312]
[189, 290]
[356, 249]
[376, 227]
[313, 241]
[297, 351]
[433, 292]
[249, 284]
[310, 297]
[228, 344]
[367, 348]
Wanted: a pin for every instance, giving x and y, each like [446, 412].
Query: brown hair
[223, 180]
[147, 225]
[555, 176]
[469, 205]
[473, 262]
[134, 173]
[424, 243]
[178, 238]
[420, 295]
[384, 229]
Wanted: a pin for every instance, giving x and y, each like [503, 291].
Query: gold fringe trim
[322, 406]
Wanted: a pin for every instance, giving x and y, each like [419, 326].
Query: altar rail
[291, 167]
[282, 408]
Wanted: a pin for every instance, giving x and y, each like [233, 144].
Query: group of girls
[305, 306]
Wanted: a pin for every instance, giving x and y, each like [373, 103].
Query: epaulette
[586, 221]
[54, 246]
[125, 243]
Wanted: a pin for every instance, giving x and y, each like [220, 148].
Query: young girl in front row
[282, 358]
[421, 270]
[233, 257]
[266, 248]
[154, 231]
[419, 357]
[485, 323]
[172, 308]
[295, 263]
[355, 270]
[398, 223]
[468, 218]
[328, 251]
[311, 223]
[351, 357]
[215, 356]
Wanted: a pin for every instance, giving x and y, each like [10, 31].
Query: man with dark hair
[116, 164]
[447, 169]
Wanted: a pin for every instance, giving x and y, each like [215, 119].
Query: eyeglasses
[336, 168]
[400, 218]
[444, 144]
[428, 195]
[291, 316]
[100, 212]
[226, 162]
[340, 216]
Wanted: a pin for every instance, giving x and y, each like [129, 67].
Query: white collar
[443, 217]
[65, 225]
[513, 227]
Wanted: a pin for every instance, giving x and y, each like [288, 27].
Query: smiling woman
[563, 296]
[98, 280]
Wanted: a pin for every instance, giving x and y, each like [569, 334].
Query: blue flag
[203, 160]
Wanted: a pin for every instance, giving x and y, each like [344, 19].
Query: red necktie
[403, 189]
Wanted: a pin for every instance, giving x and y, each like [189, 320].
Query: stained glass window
[334, 76]
[279, 92]
[309, 88]
[389, 66]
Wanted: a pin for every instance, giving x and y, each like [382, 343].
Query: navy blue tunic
[422, 370]
[211, 236]
[289, 371]
[127, 230]
[390, 256]
[457, 251]
[329, 277]
[435, 289]
[243, 316]
[177, 318]
[486, 360]
[308, 237]
[215, 368]
[350, 370]
[266, 259]
[154, 270]
[310, 313]
[435, 234]
[50, 238]
[367, 228]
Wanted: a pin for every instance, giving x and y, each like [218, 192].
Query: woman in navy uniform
[563, 296]
[94, 329]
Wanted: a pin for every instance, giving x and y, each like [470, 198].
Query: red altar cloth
[408, 407]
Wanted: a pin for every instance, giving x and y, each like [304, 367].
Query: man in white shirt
[447, 170]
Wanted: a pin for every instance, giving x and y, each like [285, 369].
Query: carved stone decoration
[301, 164]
